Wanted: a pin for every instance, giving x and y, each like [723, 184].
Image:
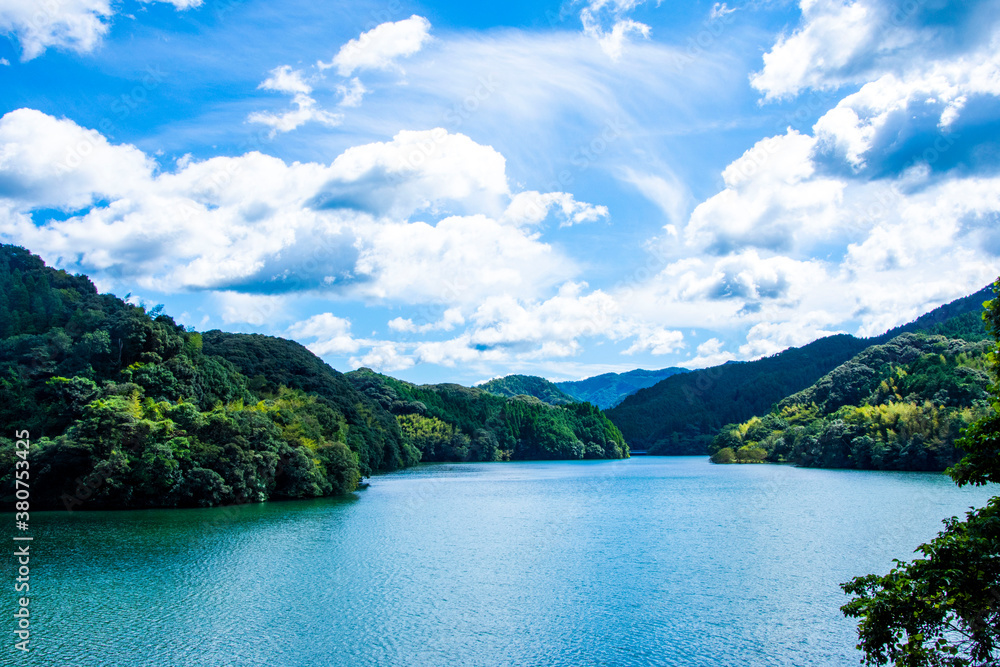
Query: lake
[647, 561]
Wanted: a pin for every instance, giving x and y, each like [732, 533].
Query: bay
[647, 561]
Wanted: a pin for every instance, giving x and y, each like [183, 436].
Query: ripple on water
[650, 561]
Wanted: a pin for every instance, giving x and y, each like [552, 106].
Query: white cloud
[253, 309]
[351, 93]
[708, 354]
[72, 25]
[838, 43]
[533, 207]
[286, 80]
[384, 357]
[331, 334]
[254, 223]
[832, 34]
[4, 62]
[50, 163]
[428, 170]
[767, 338]
[461, 260]
[452, 318]
[607, 22]
[720, 10]
[666, 191]
[773, 198]
[380, 47]
[656, 340]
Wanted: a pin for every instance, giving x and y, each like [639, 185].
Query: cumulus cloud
[710, 353]
[767, 338]
[533, 207]
[254, 224]
[72, 25]
[772, 197]
[331, 335]
[46, 162]
[351, 93]
[452, 318]
[656, 340]
[461, 259]
[839, 42]
[382, 46]
[427, 170]
[253, 309]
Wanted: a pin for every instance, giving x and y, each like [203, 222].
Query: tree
[943, 609]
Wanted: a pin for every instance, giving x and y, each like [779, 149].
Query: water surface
[648, 561]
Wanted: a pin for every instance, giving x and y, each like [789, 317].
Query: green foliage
[897, 406]
[940, 609]
[682, 414]
[127, 409]
[527, 385]
[724, 455]
[943, 609]
[448, 422]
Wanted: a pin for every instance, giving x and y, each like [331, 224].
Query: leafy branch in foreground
[943, 609]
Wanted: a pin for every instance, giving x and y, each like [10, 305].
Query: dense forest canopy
[126, 408]
[528, 385]
[684, 413]
[490, 427]
[940, 609]
[897, 406]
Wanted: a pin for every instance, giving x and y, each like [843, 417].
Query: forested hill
[448, 422]
[527, 385]
[900, 405]
[609, 389]
[682, 414]
[125, 408]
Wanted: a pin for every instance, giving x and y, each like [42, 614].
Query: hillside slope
[682, 414]
[125, 408]
[527, 385]
[609, 389]
[900, 405]
[448, 422]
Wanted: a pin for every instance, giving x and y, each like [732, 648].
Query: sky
[446, 191]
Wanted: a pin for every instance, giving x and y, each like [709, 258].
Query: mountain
[527, 385]
[900, 405]
[682, 414]
[449, 422]
[608, 390]
[125, 408]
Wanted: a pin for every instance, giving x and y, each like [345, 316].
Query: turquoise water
[648, 561]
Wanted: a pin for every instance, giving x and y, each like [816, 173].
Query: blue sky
[448, 192]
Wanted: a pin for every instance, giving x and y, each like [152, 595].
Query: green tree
[943, 609]
[724, 455]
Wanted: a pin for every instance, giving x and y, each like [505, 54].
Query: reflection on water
[650, 561]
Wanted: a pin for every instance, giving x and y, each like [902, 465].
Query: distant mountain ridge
[683, 413]
[609, 389]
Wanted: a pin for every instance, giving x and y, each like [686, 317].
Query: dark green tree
[943, 608]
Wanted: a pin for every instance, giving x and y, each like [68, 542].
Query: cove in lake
[648, 561]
